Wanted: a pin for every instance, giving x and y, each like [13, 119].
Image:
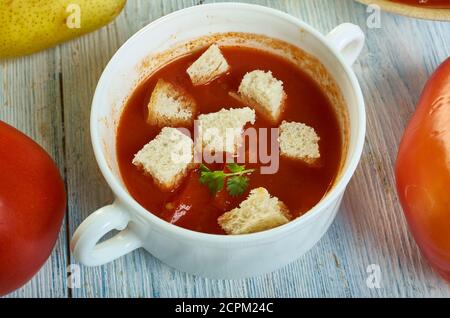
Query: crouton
[299, 141]
[222, 131]
[263, 92]
[167, 158]
[170, 106]
[210, 65]
[259, 212]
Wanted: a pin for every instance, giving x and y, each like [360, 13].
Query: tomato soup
[191, 205]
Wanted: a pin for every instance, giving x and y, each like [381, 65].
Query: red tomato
[32, 205]
[423, 171]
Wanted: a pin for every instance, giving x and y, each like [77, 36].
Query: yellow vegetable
[27, 26]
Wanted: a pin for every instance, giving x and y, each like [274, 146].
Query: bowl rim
[132, 206]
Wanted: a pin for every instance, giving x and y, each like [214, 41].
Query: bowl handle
[348, 39]
[85, 246]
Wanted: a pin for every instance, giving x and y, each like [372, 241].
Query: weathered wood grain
[370, 229]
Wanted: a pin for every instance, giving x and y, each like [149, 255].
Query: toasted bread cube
[222, 131]
[167, 158]
[210, 65]
[263, 92]
[170, 106]
[299, 141]
[259, 212]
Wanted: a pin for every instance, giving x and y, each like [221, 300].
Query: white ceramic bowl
[215, 256]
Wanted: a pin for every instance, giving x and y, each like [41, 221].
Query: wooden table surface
[48, 96]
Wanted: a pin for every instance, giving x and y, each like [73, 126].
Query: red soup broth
[191, 205]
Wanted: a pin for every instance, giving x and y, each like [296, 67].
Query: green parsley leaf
[234, 167]
[217, 181]
[236, 181]
[214, 180]
[237, 185]
[204, 168]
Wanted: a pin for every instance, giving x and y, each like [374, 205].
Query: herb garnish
[236, 180]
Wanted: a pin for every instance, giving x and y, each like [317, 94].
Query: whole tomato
[423, 171]
[32, 205]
